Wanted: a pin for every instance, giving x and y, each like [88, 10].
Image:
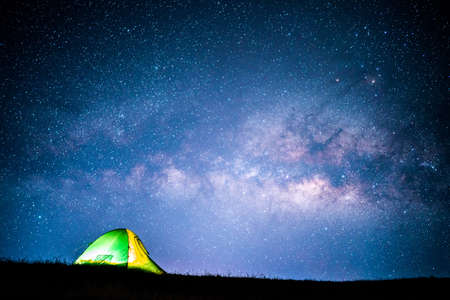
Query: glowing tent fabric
[119, 247]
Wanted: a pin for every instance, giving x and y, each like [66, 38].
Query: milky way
[302, 141]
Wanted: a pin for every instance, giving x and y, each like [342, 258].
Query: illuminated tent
[119, 247]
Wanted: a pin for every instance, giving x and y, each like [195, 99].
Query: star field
[302, 141]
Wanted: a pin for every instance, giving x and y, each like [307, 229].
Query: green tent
[119, 247]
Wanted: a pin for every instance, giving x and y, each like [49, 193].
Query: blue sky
[304, 141]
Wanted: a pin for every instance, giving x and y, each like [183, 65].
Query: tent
[119, 247]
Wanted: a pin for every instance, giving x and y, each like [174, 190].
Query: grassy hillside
[60, 281]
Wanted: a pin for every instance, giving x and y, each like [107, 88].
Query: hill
[60, 281]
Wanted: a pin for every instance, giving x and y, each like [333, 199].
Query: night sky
[285, 139]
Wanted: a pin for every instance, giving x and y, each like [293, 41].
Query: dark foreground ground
[60, 281]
